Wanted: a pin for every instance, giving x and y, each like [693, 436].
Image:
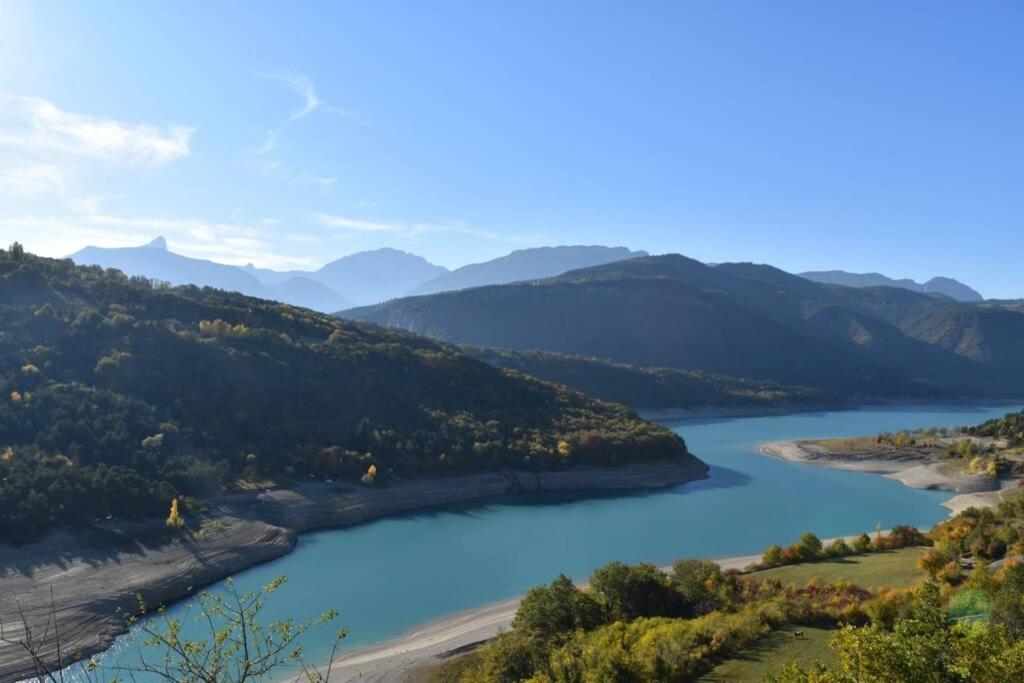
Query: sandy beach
[97, 570]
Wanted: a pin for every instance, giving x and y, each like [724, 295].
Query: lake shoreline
[970, 491]
[754, 410]
[432, 643]
[258, 527]
[96, 571]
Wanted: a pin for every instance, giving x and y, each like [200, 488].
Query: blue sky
[864, 136]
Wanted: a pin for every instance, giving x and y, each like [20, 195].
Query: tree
[933, 561]
[903, 440]
[772, 556]
[921, 647]
[1008, 605]
[627, 593]
[861, 544]
[510, 657]
[16, 251]
[837, 548]
[696, 581]
[236, 645]
[809, 546]
[553, 612]
[174, 519]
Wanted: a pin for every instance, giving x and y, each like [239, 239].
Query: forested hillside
[652, 387]
[743, 320]
[116, 395]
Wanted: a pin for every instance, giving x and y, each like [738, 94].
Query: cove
[388, 576]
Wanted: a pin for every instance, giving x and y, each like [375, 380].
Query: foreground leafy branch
[233, 644]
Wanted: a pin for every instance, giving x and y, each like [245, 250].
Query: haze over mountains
[364, 278]
[625, 325]
[937, 285]
[359, 279]
[742, 320]
[525, 264]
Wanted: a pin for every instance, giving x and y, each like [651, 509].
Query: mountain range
[364, 278]
[737, 319]
[945, 286]
[525, 264]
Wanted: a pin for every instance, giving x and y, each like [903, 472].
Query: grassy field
[893, 568]
[771, 653]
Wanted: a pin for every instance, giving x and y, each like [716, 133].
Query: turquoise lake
[390, 575]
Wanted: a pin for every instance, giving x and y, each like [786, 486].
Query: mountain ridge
[525, 264]
[946, 286]
[743, 320]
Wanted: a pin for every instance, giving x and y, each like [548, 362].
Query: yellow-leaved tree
[175, 520]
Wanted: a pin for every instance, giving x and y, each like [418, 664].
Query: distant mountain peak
[158, 243]
[527, 264]
[937, 285]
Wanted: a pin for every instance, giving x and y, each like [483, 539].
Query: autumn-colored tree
[933, 561]
[370, 476]
[903, 440]
[772, 556]
[174, 519]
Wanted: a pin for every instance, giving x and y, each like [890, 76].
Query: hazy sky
[857, 135]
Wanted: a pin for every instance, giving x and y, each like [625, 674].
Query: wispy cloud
[285, 173]
[200, 231]
[412, 230]
[28, 180]
[88, 204]
[302, 86]
[360, 225]
[232, 243]
[268, 146]
[36, 124]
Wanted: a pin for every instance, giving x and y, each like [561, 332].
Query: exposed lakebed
[390, 575]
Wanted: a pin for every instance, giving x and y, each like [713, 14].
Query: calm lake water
[393, 574]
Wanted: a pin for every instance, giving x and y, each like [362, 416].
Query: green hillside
[116, 395]
[650, 387]
[742, 320]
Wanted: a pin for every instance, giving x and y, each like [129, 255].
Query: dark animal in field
[798, 635]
